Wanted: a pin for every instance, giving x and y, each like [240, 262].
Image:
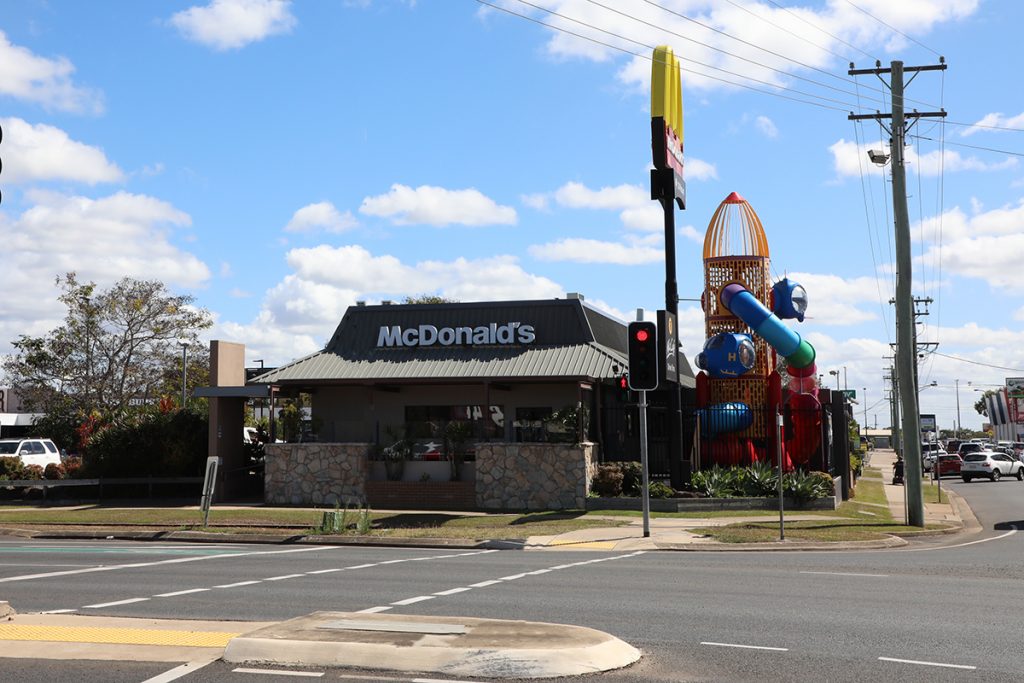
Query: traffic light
[623, 383]
[643, 356]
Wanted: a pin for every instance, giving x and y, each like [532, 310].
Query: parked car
[969, 447]
[40, 452]
[953, 445]
[991, 465]
[947, 463]
[928, 453]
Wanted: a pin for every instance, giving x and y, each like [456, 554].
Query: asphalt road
[943, 610]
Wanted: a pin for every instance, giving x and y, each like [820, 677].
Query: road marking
[327, 571]
[281, 578]
[748, 647]
[409, 601]
[361, 566]
[513, 577]
[914, 661]
[112, 567]
[278, 672]
[184, 592]
[453, 591]
[177, 672]
[538, 572]
[880, 576]
[107, 635]
[59, 611]
[237, 584]
[373, 610]
[115, 603]
[485, 584]
[1011, 532]
[394, 561]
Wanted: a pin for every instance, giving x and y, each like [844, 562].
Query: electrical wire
[818, 28]
[975, 362]
[960, 144]
[681, 68]
[985, 125]
[712, 47]
[893, 28]
[786, 30]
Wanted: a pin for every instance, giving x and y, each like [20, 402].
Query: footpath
[454, 646]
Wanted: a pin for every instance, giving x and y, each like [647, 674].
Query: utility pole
[957, 409]
[906, 350]
[894, 408]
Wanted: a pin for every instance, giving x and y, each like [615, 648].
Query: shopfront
[531, 387]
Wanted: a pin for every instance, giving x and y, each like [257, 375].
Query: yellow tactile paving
[597, 545]
[115, 636]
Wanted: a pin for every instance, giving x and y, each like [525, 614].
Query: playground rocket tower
[744, 385]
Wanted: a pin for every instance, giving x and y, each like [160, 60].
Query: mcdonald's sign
[667, 120]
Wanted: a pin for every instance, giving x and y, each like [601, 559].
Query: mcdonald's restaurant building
[534, 384]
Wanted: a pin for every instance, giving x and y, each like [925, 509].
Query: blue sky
[282, 160]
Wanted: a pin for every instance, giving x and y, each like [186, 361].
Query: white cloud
[995, 259]
[102, 240]
[47, 82]
[766, 126]
[437, 206]
[698, 169]
[833, 300]
[41, 152]
[232, 24]
[595, 251]
[997, 119]
[578, 196]
[850, 159]
[321, 216]
[537, 201]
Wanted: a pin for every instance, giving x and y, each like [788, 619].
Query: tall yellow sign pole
[668, 188]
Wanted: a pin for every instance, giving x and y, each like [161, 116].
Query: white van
[40, 452]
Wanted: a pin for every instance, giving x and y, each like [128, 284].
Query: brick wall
[421, 495]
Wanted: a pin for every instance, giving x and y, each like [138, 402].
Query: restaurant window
[530, 424]
[425, 426]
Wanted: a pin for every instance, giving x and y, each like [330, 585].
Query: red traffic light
[641, 335]
[623, 382]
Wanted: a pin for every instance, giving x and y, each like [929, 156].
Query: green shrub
[657, 489]
[759, 480]
[150, 443]
[607, 480]
[11, 468]
[717, 482]
[32, 472]
[804, 487]
[632, 477]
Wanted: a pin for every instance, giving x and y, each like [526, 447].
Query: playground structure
[743, 385]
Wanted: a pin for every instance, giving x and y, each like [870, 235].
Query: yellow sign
[666, 90]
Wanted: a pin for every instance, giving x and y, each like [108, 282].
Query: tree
[980, 406]
[428, 299]
[117, 347]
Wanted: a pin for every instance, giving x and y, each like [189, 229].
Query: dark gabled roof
[573, 342]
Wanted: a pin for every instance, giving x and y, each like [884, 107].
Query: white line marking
[278, 672]
[59, 611]
[177, 593]
[409, 601]
[327, 571]
[115, 603]
[513, 577]
[914, 661]
[282, 578]
[453, 591]
[236, 585]
[748, 647]
[362, 566]
[374, 610]
[394, 561]
[539, 571]
[561, 566]
[983, 540]
[880, 576]
[179, 560]
[177, 672]
[484, 584]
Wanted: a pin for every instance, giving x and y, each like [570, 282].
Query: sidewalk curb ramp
[454, 646]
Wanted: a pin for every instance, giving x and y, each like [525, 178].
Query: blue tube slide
[797, 352]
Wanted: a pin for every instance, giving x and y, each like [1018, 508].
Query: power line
[985, 125]
[893, 28]
[710, 47]
[960, 144]
[975, 362]
[650, 59]
[818, 28]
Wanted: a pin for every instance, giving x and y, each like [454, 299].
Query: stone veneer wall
[533, 476]
[315, 473]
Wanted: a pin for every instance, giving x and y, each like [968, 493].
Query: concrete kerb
[455, 646]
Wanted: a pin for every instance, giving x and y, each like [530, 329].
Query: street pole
[957, 409]
[906, 348]
[184, 373]
[865, 410]
[778, 454]
[644, 477]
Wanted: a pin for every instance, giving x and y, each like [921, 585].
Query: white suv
[990, 465]
[40, 452]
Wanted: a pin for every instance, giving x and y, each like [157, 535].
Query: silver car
[990, 465]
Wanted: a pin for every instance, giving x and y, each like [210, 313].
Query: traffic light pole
[644, 477]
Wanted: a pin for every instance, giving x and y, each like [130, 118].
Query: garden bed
[709, 504]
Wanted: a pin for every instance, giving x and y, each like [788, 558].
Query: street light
[957, 409]
[865, 390]
[836, 373]
[184, 372]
